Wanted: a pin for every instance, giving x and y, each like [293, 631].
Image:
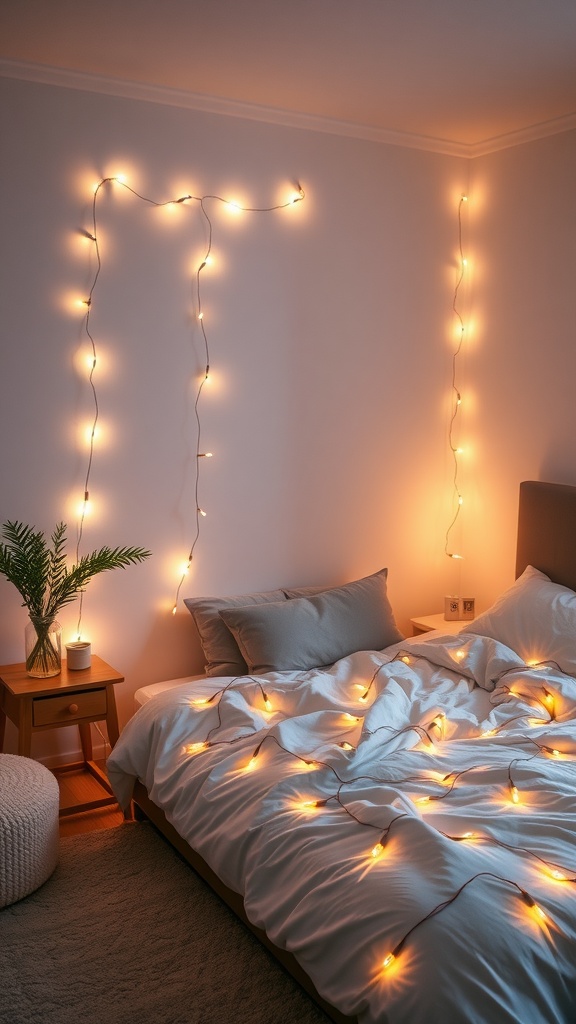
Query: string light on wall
[87, 306]
[456, 403]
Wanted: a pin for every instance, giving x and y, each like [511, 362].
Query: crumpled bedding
[404, 822]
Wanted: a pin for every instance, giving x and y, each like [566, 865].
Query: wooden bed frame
[547, 541]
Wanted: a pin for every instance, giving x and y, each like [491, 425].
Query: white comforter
[475, 830]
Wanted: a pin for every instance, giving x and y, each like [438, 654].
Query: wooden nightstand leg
[86, 739]
[25, 728]
[3, 717]
[112, 716]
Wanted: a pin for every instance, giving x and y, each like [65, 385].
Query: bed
[398, 826]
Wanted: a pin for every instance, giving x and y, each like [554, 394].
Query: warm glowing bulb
[346, 746]
[558, 875]
[200, 316]
[350, 718]
[489, 732]
[464, 198]
[388, 961]
[91, 433]
[184, 569]
[514, 795]
[251, 764]
[423, 800]
[202, 512]
[199, 701]
[376, 850]
[405, 659]
[195, 748]
[121, 179]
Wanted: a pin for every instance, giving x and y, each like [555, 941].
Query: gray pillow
[219, 646]
[308, 632]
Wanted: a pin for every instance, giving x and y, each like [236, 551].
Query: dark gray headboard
[547, 531]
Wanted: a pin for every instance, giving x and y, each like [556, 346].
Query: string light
[391, 957]
[86, 305]
[456, 395]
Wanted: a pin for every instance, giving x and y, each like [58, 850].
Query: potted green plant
[40, 573]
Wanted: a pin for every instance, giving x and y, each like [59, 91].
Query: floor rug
[124, 932]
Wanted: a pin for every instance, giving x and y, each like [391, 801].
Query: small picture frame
[467, 610]
[451, 608]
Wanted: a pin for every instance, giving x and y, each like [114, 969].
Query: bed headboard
[547, 531]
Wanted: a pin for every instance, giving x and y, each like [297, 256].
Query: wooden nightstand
[426, 623]
[71, 698]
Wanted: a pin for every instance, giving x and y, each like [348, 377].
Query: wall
[521, 363]
[331, 336]
[329, 326]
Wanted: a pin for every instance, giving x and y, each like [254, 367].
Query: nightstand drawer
[69, 707]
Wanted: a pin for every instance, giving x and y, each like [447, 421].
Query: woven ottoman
[29, 799]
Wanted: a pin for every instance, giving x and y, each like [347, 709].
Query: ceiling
[458, 74]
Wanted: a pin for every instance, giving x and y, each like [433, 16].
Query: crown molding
[518, 138]
[47, 75]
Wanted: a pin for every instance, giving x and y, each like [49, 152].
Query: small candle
[78, 654]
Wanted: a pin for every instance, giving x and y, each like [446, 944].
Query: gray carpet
[124, 932]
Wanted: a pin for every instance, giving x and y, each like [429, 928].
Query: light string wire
[552, 869]
[456, 396]
[92, 235]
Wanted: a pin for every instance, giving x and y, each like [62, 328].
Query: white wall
[331, 335]
[521, 366]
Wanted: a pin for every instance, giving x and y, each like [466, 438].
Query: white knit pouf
[29, 798]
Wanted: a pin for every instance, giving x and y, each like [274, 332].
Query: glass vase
[43, 643]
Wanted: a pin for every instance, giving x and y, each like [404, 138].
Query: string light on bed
[86, 304]
[529, 900]
[455, 449]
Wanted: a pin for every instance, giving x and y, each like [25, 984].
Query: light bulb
[195, 748]
[388, 961]
[514, 794]
[376, 850]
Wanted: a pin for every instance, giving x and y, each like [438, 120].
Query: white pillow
[536, 618]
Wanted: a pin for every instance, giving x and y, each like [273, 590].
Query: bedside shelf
[426, 623]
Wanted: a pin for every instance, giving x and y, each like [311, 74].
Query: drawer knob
[73, 708]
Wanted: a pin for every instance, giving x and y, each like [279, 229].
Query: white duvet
[432, 817]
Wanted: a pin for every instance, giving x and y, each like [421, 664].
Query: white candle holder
[78, 654]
